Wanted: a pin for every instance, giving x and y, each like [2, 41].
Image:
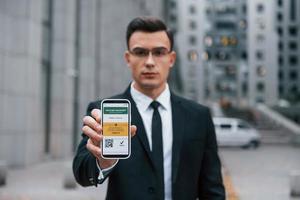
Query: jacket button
[151, 190]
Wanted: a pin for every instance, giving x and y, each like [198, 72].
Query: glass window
[279, 31]
[260, 55]
[208, 41]
[280, 75]
[293, 75]
[193, 55]
[293, 45]
[193, 25]
[192, 9]
[260, 38]
[261, 71]
[280, 45]
[243, 125]
[225, 126]
[293, 31]
[293, 60]
[260, 86]
[279, 2]
[192, 40]
[260, 8]
[280, 60]
[279, 17]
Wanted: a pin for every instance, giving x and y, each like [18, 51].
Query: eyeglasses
[158, 52]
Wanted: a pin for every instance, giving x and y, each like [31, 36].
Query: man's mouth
[149, 73]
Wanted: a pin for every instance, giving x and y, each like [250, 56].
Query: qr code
[109, 143]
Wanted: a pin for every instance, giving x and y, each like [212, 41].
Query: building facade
[288, 30]
[55, 57]
[262, 53]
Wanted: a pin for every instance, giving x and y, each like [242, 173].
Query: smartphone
[116, 128]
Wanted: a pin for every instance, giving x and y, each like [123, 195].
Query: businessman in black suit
[174, 153]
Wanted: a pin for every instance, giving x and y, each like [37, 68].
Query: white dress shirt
[143, 105]
[146, 111]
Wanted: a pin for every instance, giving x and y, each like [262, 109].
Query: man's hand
[93, 129]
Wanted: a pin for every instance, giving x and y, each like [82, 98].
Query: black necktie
[157, 148]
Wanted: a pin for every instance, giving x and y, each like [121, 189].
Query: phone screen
[116, 128]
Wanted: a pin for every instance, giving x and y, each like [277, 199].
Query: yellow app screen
[115, 123]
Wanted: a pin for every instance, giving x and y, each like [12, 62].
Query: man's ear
[172, 58]
[127, 57]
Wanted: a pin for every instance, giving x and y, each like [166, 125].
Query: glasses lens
[159, 52]
[140, 52]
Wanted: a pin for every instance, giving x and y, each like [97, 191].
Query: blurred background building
[56, 56]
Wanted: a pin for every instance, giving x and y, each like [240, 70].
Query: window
[192, 40]
[293, 45]
[206, 56]
[230, 70]
[280, 75]
[244, 8]
[294, 89]
[279, 17]
[279, 2]
[192, 9]
[173, 18]
[244, 55]
[260, 55]
[226, 25]
[172, 4]
[193, 25]
[260, 8]
[261, 71]
[279, 31]
[280, 60]
[243, 125]
[243, 24]
[221, 55]
[293, 31]
[261, 24]
[193, 55]
[293, 60]
[260, 87]
[293, 10]
[208, 41]
[280, 45]
[260, 38]
[225, 126]
[293, 75]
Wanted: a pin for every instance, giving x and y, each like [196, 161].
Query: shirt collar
[143, 101]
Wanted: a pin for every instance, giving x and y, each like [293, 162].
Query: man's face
[150, 59]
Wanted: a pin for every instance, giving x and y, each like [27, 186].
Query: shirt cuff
[104, 172]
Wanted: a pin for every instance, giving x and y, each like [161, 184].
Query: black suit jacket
[196, 169]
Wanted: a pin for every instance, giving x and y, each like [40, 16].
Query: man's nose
[150, 61]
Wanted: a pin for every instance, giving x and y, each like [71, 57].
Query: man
[174, 153]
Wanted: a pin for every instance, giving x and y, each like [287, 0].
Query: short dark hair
[150, 25]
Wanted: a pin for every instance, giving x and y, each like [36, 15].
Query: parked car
[236, 132]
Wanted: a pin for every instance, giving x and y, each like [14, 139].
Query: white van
[236, 132]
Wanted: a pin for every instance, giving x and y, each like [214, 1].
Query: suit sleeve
[210, 179]
[84, 163]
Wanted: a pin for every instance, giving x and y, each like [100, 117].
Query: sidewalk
[45, 181]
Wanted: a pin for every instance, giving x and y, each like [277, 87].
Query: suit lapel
[137, 120]
[178, 120]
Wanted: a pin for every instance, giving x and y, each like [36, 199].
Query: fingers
[96, 137]
[95, 150]
[96, 114]
[133, 129]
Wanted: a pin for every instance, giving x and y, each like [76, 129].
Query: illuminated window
[193, 55]
[261, 71]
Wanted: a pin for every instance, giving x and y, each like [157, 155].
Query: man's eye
[141, 53]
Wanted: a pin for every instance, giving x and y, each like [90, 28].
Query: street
[262, 174]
